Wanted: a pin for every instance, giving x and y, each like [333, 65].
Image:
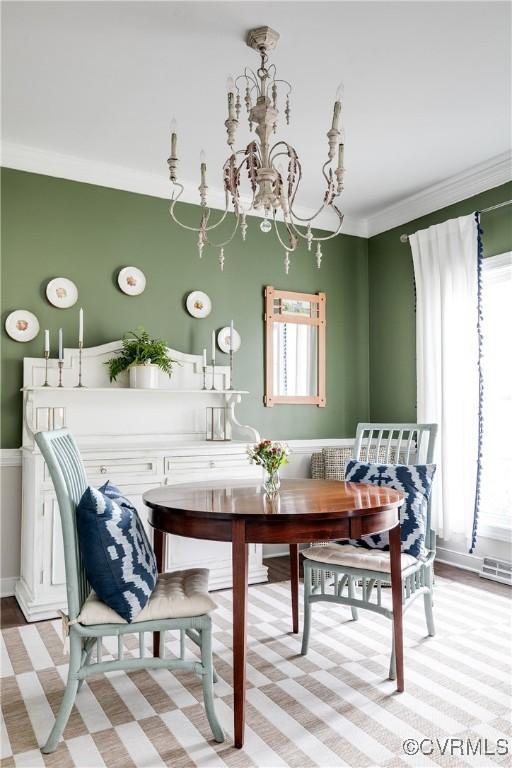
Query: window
[496, 488]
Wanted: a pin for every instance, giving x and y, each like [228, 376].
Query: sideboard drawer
[220, 461]
[117, 469]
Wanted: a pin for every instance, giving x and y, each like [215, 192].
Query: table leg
[159, 541]
[294, 580]
[396, 590]
[240, 578]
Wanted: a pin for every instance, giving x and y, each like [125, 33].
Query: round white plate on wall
[199, 304]
[22, 325]
[61, 292]
[131, 280]
[225, 342]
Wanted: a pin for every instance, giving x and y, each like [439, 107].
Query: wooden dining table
[303, 511]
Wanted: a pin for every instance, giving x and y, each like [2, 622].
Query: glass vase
[272, 481]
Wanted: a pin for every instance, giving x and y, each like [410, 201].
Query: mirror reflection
[295, 355]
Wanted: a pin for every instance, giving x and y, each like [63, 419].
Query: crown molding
[479, 178]
[33, 160]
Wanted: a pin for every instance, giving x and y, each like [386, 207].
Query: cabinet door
[184, 552]
[58, 569]
[50, 570]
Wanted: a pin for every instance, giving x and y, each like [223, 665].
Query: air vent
[497, 570]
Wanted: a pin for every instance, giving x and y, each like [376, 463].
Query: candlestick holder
[46, 356]
[61, 366]
[231, 369]
[213, 375]
[204, 377]
[80, 347]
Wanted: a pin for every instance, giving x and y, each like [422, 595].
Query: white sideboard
[138, 439]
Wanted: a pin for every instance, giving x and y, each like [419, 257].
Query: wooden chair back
[70, 481]
[389, 443]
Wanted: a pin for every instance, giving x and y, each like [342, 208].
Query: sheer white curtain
[445, 260]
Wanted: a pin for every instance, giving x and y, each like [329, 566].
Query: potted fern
[142, 357]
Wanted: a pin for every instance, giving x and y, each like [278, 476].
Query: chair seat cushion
[177, 595]
[355, 557]
[119, 561]
[415, 482]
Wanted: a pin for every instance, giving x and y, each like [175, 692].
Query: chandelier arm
[230, 238]
[187, 226]
[280, 143]
[327, 237]
[308, 219]
[280, 80]
[249, 76]
[292, 245]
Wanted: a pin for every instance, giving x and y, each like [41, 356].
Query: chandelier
[273, 170]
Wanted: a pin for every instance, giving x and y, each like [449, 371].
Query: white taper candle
[341, 149]
[47, 341]
[61, 349]
[174, 137]
[81, 326]
[231, 335]
[213, 346]
[204, 358]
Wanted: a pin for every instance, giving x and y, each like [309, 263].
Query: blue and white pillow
[118, 558]
[415, 482]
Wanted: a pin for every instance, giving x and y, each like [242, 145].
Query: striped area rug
[334, 707]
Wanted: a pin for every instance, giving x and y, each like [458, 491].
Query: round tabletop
[302, 510]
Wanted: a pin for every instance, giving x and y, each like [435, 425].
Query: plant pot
[144, 376]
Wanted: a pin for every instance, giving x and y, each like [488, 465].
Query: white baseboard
[8, 586]
[276, 554]
[462, 560]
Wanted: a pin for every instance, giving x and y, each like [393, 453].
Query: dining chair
[70, 481]
[346, 573]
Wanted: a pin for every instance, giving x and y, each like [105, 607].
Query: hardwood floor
[279, 570]
[10, 613]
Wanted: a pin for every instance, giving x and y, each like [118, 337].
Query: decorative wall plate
[224, 339]
[62, 292]
[131, 280]
[199, 304]
[22, 325]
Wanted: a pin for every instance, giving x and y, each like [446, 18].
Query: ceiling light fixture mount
[274, 172]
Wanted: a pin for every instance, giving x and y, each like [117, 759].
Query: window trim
[494, 267]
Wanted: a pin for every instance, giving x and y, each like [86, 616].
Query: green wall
[52, 227]
[391, 301]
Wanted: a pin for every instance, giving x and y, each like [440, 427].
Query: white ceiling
[427, 86]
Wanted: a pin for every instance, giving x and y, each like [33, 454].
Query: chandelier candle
[273, 171]
[202, 187]
[173, 160]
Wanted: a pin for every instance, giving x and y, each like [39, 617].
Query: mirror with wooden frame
[294, 347]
